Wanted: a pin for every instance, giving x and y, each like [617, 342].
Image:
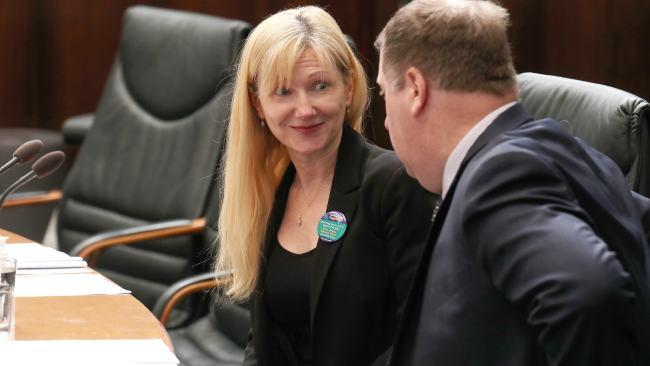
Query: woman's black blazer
[358, 282]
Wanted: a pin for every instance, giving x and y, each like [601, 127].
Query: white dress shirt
[460, 151]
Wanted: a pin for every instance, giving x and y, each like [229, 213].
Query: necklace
[302, 190]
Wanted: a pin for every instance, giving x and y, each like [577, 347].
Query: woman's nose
[304, 106]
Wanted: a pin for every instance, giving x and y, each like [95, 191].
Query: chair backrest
[611, 120]
[153, 151]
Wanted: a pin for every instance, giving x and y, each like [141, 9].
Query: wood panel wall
[602, 41]
[55, 55]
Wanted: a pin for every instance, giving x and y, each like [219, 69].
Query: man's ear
[417, 87]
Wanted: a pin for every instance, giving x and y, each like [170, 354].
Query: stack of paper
[68, 284]
[43, 271]
[87, 352]
[31, 256]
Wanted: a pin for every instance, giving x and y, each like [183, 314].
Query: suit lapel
[508, 120]
[343, 198]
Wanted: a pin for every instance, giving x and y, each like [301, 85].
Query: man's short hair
[462, 45]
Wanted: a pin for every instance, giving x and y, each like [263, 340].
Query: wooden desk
[84, 317]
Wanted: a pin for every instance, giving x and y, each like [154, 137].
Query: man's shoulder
[543, 152]
[533, 139]
[378, 161]
[543, 139]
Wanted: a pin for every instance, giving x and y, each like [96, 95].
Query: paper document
[44, 271]
[66, 284]
[71, 262]
[87, 352]
[34, 256]
[33, 251]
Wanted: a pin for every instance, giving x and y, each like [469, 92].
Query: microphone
[25, 153]
[46, 165]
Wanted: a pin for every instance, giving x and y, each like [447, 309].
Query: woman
[322, 229]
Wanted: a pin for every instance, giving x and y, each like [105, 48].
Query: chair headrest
[173, 61]
[607, 118]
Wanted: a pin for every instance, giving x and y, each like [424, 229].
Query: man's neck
[453, 115]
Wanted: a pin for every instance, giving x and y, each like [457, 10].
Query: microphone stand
[23, 180]
[8, 164]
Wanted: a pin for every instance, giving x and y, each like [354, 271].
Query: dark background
[55, 54]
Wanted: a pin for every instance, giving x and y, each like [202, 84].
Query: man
[537, 255]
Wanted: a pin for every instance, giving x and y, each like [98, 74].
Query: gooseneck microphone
[25, 153]
[46, 165]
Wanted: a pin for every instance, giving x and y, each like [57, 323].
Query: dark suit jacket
[537, 256]
[357, 282]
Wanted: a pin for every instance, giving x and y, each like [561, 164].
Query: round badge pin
[331, 226]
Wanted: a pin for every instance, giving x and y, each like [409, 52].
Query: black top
[287, 299]
[358, 282]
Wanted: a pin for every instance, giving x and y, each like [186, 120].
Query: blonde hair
[460, 44]
[254, 160]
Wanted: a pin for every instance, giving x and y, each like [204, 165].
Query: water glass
[7, 298]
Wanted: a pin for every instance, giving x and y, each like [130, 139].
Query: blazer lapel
[343, 198]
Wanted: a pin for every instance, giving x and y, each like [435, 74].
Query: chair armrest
[75, 128]
[132, 235]
[33, 198]
[181, 289]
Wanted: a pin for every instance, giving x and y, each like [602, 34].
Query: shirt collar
[460, 151]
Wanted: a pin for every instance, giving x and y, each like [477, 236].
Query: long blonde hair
[254, 160]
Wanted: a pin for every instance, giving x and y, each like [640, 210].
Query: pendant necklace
[302, 190]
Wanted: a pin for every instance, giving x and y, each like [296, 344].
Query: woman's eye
[282, 91]
[321, 85]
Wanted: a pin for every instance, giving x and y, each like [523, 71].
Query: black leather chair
[216, 339]
[148, 163]
[147, 168]
[611, 120]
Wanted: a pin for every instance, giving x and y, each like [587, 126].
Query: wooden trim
[185, 291]
[40, 199]
[196, 226]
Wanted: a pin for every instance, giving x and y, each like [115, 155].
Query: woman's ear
[255, 101]
[348, 94]
[348, 82]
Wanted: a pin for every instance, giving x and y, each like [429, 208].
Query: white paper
[33, 251]
[46, 271]
[35, 256]
[67, 284]
[22, 243]
[71, 262]
[87, 352]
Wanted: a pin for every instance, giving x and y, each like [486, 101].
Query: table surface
[84, 317]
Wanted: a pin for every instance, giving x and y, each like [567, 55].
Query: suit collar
[510, 119]
[462, 147]
[348, 161]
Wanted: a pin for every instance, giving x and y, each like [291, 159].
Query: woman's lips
[307, 129]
